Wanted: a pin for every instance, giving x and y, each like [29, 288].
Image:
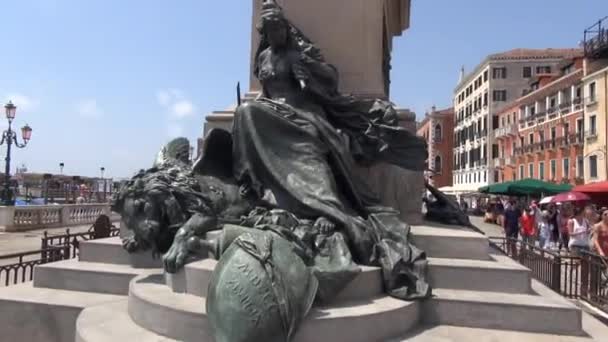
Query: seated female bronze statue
[297, 144]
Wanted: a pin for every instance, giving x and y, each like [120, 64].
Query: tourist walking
[545, 228]
[600, 240]
[511, 226]
[562, 221]
[528, 226]
[553, 220]
[579, 230]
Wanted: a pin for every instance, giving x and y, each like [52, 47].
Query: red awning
[599, 187]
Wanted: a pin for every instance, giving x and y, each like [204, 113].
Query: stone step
[448, 333]
[43, 315]
[477, 275]
[110, 251]
[455, 243]
[111, 322]
[497, 310]
[153, 305]
[83, 276]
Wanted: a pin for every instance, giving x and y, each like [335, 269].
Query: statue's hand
[324, 226]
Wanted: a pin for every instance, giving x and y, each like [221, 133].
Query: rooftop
[522, 54]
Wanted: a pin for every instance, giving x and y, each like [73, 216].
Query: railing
[590, 100]
[19, 267]
[584, 277]
[596, 40]
[591, 134]
[23, 218]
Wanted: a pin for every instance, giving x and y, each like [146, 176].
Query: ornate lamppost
[61, 165]
[9, 137]
[103, 170]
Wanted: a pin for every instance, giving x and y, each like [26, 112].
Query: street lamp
[10, 137]
[61, 165]
[103, 170]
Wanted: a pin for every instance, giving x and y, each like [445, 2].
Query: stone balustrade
[23, 218]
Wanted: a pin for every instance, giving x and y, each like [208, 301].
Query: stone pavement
[29, 241]
[490, 229]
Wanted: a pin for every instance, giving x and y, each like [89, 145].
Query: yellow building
[596, 109]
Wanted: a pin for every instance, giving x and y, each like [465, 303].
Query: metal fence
[19, 267]
[582, 277]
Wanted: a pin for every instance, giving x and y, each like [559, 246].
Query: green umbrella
[525, 187]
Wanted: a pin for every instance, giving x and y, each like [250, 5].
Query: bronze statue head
[273, 26]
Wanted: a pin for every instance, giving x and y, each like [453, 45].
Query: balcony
[550, 144]
[518, 151]
[577, 102]
[565, 107]
[552, 112]
[502, 132]
[498, 163]
[591, 134]
[590, 100]
[575, 139]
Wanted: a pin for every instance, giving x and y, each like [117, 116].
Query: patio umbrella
[597, 191]
[571, 196]
[546, 200]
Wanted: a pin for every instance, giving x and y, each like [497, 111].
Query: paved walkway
[490, 229]
[28, 241]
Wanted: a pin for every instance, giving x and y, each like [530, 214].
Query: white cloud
[176, 104]
[23, 102]
[182, 108]
[89, 109]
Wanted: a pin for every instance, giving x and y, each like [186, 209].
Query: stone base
[398, 188]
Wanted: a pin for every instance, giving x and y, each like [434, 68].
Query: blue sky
[106, 83]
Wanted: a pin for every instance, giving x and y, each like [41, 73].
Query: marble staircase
[122, 297]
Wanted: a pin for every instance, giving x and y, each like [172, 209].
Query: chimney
[461, 78]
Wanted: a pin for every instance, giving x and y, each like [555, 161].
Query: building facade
[436, 128]
[595, 87]
[541, 135]
[479, 98]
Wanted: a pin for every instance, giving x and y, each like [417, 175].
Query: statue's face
[276, 33]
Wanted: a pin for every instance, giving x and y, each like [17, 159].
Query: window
[485, 76]
[531, 138]
[553, 171]
[580, 166]
[592, 92]
[593, 167]
[543, 69]
[592, 125]
[566, 166]
[499, 73]
[521, 172]
[437, 164]
[552, 101]
[578, 92]
[499, 95]
[531, 170]
[541, 170]
[485, 99]
[438, 133]
[553, 134]
[527, 72]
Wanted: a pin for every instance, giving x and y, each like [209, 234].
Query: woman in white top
[580, 230]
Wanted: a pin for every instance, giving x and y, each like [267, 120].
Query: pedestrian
[528, 226]
[579, 230]
[600, 240]
[562, 221]
[553, 220]
[545, 230]
[511, 227]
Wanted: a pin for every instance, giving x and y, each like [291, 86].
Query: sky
[105, 83]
